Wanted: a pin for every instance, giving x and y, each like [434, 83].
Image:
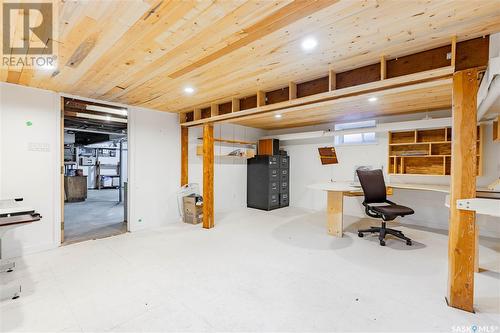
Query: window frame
[339, 139]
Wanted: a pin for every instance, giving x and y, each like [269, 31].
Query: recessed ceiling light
[189, 90]
[278, 116]
[309, 43]
[372, 99]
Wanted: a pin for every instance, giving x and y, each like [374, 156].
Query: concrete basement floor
[97, 217]
[255, 271]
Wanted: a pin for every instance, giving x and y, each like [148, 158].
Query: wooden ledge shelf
[236, 142]
[369, 79]
[195, 118]
[247, 153]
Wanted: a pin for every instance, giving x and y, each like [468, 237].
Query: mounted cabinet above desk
[426, 152]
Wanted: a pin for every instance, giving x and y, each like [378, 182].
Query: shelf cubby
[402, 137]
[392, 164]
[441, 148]
[431, 135]
[423, 166]
[403, 150]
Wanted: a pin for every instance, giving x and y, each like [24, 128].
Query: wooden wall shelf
[234, 142]
[425, 152]
[247, 153]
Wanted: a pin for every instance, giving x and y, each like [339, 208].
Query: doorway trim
[62, 96]
[61, 171]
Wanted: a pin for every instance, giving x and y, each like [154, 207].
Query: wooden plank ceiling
[145, 52]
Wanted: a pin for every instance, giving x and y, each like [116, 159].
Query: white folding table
[13, 214]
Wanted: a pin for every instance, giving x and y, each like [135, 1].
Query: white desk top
[421, 187]
[346, 186]
[480, 206]
[335, 186]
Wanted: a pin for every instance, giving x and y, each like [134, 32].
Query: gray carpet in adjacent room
[97, 217]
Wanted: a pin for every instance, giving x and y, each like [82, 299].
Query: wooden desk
[337, 190]
[335, 204]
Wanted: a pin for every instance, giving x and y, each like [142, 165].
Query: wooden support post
[261, 98]
[292, 90]
[214, 109]
[197, 114]
[334, 211]
[208, 176]
[453, 51]
[462, 226]
[184, 155]
[235, 105]
[383, 68]
[182, 117]
[332, 80]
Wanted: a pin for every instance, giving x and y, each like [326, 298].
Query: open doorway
[95, 170]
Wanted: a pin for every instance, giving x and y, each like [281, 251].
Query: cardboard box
[193, 209]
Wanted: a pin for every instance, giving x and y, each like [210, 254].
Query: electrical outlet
[37, 146]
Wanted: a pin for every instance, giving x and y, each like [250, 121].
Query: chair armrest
[369, 212]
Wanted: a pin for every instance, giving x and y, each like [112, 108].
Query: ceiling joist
[410, 70]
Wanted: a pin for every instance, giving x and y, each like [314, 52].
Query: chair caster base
[383, 231]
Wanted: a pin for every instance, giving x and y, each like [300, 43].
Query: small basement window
[363, 137]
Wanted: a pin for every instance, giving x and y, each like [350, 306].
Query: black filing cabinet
[268, 181]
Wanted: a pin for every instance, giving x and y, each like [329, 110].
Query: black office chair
[372, 182]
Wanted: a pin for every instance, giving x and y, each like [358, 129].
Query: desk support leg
[334, 210]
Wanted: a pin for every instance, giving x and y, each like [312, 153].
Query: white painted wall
[230, 174]
[305, 168]
[154, 168]
[495, 45]
[33, 175]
